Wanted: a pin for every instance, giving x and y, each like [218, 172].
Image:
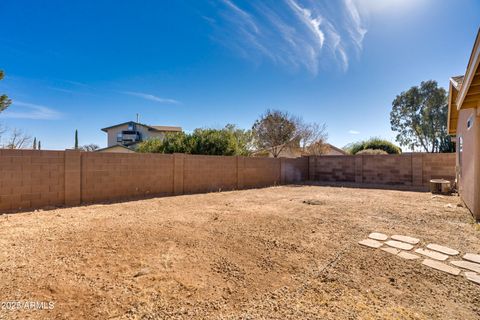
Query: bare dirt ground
[255, 254]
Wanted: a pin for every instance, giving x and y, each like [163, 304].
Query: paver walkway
[401, 244]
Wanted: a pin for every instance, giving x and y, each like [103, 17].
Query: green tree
[4, 100]
[227, 141]
[174, 142]
[244, 139]
[35, 143]
[39, 145]
[419, 115]
[373, 144]
[274, 131]
[76, 140]
[212, 142]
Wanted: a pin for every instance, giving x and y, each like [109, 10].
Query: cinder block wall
[110, 176]
[410, 169]
[332, 168]
[35, 179]
[32, 179]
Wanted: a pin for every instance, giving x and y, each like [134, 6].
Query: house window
[119, 137]
[470, 122]
[131, 127]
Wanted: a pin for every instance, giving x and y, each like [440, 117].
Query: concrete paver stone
[432, 254]
[472, 276]
[472, 257]
[467, 265]
[390, 250]
[399, 245]
[441, 267]
[442, 249]
[378, 236]
[408, 256]
[370, 243]
[406, 239]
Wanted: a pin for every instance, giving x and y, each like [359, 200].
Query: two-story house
[124, 136]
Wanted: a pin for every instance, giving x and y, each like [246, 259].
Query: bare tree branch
[18, 140]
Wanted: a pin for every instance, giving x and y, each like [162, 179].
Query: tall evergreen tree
[76, 139]
[35, 143]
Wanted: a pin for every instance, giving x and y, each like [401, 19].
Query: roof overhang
[118, 125]
[453, 89]
[115, 147]
[469, 93]
[149, 128]
[464, 92]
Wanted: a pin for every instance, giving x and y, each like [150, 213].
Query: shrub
[228, 141]
[371, 151]
[374, 144]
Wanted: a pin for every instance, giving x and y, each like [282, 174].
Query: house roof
[331, 146]
[464, 91]
[113, 147]
[167, 128]
[151, 128]
[457, 81]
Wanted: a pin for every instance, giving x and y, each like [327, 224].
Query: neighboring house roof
[111, 148]
[337, 149]
[464, 90]
[151, 128]
[167, 128]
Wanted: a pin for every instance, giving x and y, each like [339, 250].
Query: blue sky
[90, 64]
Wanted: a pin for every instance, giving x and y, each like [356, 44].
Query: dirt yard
[252, 254]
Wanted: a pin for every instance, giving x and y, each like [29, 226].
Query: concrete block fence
[408, 169]
[31, 179]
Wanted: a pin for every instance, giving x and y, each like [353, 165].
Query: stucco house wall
[464, 124]
[468, 159]
[146, 134]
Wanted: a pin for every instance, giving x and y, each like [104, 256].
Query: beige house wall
[146, 134]
[468, 160]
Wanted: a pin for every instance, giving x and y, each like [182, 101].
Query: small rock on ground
[314, 202]
[142, 272]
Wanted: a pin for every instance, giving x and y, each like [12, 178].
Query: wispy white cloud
[293, 33]
[25, 110]
[151, 97]
[312, 23]
[355, 24]
[353, 132]
[247, 17]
